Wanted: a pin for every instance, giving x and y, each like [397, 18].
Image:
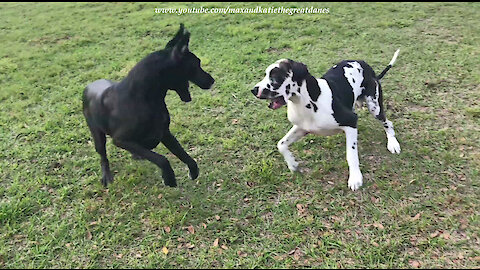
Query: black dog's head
[185, 66]
[282, 81]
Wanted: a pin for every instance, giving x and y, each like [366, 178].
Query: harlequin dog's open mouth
[277, 103]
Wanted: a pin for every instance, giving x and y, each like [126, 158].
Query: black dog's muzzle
[203, 80]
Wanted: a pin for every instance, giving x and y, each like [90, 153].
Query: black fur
[342, 95]
[384, 72]
[133, 111]
[277, 76]
[300, 71]
[313, 88]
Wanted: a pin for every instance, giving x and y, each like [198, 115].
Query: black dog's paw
[194, 171]
[137, 157]
[106, 179]
[169, 178]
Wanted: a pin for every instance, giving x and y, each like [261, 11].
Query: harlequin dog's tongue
[277, 103]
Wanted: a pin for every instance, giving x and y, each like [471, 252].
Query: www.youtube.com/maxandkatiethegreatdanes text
[256, 10]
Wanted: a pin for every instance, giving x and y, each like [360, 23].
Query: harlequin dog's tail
[389, 65]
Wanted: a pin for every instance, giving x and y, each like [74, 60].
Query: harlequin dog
[325, 106]
[133, 111]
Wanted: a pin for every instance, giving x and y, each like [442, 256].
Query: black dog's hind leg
[174, 146]
[137, 157]
[157, 159]
[100, 139]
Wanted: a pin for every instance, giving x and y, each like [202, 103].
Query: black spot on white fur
[313, 88]
[277, 77]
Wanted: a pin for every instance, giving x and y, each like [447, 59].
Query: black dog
[133, 111]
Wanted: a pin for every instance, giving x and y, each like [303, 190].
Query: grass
[246, 210]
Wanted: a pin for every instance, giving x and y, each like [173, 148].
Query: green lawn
[416, 209]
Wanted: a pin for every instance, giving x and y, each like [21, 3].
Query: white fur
[320, 122]
[355, 178]
[354, 78]
[292, 136]
[394, 57]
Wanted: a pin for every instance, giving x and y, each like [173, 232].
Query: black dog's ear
[183, 44]
[177, 38]
[181, 47]
[300, 71]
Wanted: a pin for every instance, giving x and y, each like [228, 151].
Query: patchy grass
[416, 209]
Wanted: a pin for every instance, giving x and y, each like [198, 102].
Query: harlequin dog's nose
[255, 91]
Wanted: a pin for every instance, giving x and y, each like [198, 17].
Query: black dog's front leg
[174, 146]
[157, 159]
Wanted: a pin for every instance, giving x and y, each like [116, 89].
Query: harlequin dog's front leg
[355, 179]
[292, 136]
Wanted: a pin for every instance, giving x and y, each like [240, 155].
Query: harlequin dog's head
[282, 81]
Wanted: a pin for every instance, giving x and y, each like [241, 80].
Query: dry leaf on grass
[296, 253]
[475, 259]
[89, 235]
[241, 253]
[414, 263]
[445, 235]
[417, 216]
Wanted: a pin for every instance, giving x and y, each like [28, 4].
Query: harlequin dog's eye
[277, 77]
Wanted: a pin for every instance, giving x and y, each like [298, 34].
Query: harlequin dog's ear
[300, 71]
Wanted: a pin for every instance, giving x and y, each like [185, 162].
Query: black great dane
[133, 111]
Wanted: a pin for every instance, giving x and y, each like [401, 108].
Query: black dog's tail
[389, 65]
